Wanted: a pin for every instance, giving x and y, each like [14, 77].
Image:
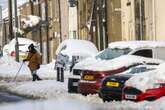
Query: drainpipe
[141, 27]
[10, 10]
[16, 33]
[154, 19]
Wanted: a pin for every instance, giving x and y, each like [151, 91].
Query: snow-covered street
[51, 94]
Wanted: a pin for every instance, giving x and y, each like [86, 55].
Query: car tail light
[13, 53]
[99, 76]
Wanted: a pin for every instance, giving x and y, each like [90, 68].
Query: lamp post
[59, 7]
[10, 19]
[16, 32]
[47, 30]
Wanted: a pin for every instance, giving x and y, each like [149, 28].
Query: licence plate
[112, 84]
[130, 96]
[88, 77]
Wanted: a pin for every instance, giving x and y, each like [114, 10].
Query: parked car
[150, 49]
[134, 94]
[112, 86]
[91, 79]
[76, 50]
[146, 86]
[9, 49]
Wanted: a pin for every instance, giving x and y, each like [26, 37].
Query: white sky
[4, 3]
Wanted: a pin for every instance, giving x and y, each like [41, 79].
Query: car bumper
[88, 87]
[111, 94]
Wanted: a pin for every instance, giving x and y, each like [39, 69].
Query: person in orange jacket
[34, 59]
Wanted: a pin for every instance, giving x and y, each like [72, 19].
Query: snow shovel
[18, 72]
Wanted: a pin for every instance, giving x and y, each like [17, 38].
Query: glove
[24, 60]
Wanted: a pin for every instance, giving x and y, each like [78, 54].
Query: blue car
[112, 86]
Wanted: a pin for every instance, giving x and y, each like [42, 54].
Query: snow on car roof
[119, 62]
[77, 47]
[24, 41]
[148, 80]
[136, 44]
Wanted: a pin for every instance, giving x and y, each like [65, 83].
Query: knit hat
[31, 46]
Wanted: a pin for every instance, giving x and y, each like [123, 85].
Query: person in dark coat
[34, 59]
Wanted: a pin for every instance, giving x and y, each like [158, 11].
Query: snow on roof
[77, 48]
[149, 79]
[30, 21]
[24, 41]
[11, 45]
[5, 11]
[137, 44]
[119, 62]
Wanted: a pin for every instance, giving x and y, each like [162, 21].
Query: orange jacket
[34, 60]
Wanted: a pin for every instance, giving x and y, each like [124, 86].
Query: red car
[133, 94]
[91, 78]
[90, 82]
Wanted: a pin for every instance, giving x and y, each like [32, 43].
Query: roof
[137, 44]
[77, 47]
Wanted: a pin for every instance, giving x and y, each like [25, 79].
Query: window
[110, 53]
[144, 53]
[136, 70]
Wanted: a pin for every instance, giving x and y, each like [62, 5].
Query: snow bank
[119, 62]
[148, 80]
[77, 48]
[47, 89]
[136, 44]
[40, 89]
[23, 45]
[9, 67]
[60, 104]
[74, 104]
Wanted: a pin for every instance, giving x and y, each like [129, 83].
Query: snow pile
[73, 47]
[86, 62]
[148, 80]
[9, 67]
[23, 45]
[116, 63]
[60, 104]
[65, 103]
[30, 21]
[40, 89]
[136, 44]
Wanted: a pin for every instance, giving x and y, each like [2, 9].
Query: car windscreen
[110, 53]
[136, 70]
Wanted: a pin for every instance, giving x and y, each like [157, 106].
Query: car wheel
[84, 94]
[107, 100]
[72, 88]
[100, 95]
[150, 98]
